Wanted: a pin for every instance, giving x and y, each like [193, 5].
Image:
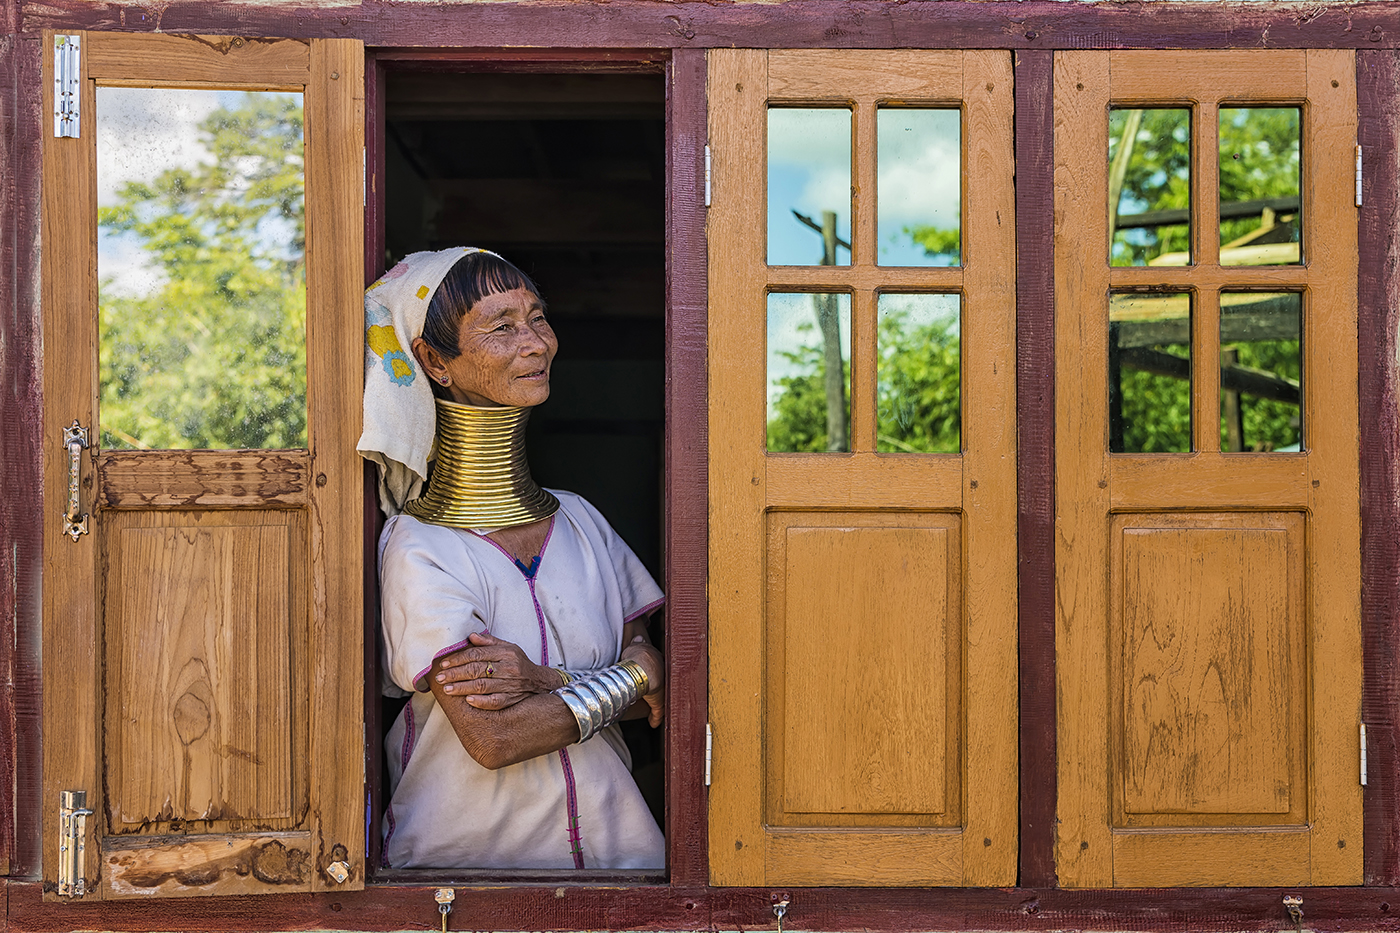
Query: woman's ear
[431, 361]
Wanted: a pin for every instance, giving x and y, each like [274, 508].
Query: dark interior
[564, 175]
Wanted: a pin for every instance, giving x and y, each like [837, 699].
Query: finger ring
[490, 671]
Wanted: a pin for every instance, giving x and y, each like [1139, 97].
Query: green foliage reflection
[215, 356]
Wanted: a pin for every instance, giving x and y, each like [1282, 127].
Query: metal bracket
[75, 438]
[1363, 754]
[66, 50]
[1358, 176]
[780, 907]
[444, 898]
[1293, 904]
[707, 176]
[72, 842]
[709, 751]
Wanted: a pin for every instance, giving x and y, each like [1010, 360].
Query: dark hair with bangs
[471, 279]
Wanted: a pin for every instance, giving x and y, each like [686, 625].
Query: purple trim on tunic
[464, 643]
[644, 610]
[409, 739]
[384, 854]
[575, 832]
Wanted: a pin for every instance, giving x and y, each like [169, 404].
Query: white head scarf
[400, 418]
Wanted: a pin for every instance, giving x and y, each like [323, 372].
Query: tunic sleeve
[639, 592]
[431, 598]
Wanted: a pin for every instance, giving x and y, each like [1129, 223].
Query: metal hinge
[709, 751]
[707, 176]
[1363, 754]
[1358, 176]
[72, 842]
[65, 85]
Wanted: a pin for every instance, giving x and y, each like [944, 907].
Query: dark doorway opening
[564, 175]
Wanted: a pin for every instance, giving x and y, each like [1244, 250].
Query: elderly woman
[513, 616]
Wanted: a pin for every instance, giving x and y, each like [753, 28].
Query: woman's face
[507, 348]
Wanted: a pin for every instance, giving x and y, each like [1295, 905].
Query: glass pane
[919, 390]
[809, 372]
[1149, 187]
[809, 187]
[1261, 371]
[201, 262]
[919, 183]
[1149, 373]
[1260, 173]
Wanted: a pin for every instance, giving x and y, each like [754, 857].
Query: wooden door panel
[207, 632]
[1218, 591]
[206, 644]
[1208, 620]
[874, 603]
[862, 729]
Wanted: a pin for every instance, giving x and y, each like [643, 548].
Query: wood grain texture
[737, 87]
[1202, 859]
[1334, 545]
[203, 479]
[205, 620]
[21, 411]
[1208, 480]
[1208, 276]
[224, 61]
[1320, 482]
[865, 275]
[335, 122]
[876, 600]
[1034, 24]
[687, 452]
[1083, 843]
[1035, 461]
[864, 480]
[1189, 77]
[869, 859]
[647, 907]
[192, 866]
[1208, 670]
[840, 75]
[1378, 288]
[71, 634]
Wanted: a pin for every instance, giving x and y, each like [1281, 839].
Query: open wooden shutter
[1208, 628]
[862, 604]
[202, 644]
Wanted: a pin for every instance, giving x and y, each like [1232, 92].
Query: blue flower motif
[398, 367]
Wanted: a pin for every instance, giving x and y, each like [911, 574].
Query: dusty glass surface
[919, 187]
[1149, 373]
[201, 263]
[809, 372]
[809, 187]
[1260, 177]
[1261, 372]
[919, 374]
[1149, 187]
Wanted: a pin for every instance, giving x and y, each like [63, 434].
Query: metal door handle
[75, 438]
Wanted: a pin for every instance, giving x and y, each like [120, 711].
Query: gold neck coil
[481, 478]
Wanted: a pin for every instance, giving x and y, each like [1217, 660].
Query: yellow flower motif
[383, 339]
[384, 343]
[422, 291]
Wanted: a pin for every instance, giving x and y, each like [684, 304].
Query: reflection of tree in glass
[1156, 409]
[939, 242]
[215, 357]
[1155, 178]
[1259, 159]
[919, 405]
[799, 422]
[1268, 424]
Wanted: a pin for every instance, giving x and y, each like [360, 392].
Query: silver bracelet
[599, 698]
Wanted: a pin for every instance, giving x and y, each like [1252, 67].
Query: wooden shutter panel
[862, 605]
[1219, 592]
[203, 644]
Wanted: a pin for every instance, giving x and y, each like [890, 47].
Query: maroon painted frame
[1033, 29]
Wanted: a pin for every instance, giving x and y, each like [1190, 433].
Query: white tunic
[575, 808]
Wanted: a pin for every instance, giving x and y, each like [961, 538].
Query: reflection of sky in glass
[792, 324]
[919, 179]
[142, 132]
[809, 170]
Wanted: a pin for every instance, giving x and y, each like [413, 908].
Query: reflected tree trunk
[830, 326]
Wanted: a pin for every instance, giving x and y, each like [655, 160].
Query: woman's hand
[492, 673]
[640, 649]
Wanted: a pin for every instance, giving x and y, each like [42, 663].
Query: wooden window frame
[686, 902]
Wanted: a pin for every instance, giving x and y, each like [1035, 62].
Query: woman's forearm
[535, 726]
